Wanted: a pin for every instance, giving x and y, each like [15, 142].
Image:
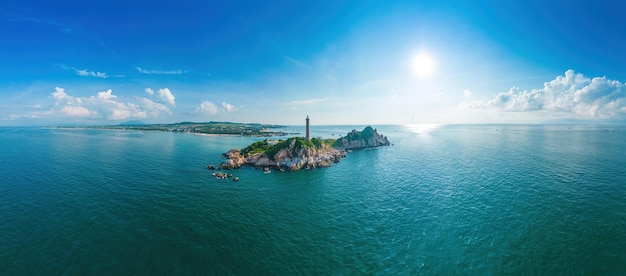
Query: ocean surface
[443, 199]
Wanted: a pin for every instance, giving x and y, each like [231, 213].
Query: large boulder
[234, 159]
[263, 162]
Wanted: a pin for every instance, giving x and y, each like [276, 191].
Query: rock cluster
[234, 159]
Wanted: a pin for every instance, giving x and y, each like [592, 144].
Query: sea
[442, 199]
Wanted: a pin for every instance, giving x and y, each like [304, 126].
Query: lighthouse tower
[308, 133]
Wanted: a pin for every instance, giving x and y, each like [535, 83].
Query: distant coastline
[200, 128]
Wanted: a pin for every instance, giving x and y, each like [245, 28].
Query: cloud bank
[571, 93]
[209, 108]
[102, 105]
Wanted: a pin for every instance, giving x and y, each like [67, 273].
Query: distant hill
[244, 129]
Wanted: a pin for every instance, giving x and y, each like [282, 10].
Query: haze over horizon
[355, 62]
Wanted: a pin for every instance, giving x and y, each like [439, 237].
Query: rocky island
[301, 152]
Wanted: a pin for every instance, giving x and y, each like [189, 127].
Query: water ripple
[445, 200]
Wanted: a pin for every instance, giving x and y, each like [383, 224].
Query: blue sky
[340, 62]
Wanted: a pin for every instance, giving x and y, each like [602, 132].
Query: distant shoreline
[214, 135]
[207, 128]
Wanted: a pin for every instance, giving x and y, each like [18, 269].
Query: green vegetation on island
[366, 134]
[299, 152]
[294, 144]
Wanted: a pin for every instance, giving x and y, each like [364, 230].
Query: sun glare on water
[421, 128]
[422, 65]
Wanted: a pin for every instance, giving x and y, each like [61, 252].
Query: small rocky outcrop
[234, 159]
[367, 138]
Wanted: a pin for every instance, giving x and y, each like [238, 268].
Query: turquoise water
[467, 199]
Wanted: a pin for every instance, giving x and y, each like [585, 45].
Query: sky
[339, 62]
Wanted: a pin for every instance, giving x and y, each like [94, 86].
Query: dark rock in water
[236, 178]
[211, 167]
[219, 175]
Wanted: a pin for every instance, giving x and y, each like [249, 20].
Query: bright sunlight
[422, 65]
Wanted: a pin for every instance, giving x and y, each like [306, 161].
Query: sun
[422, 65]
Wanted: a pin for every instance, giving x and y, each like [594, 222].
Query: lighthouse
[308, 133]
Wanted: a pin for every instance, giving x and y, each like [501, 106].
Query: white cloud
[206, 108]
[76, 111]
[106, 95]
[228, 107]
[572, 93]
[467, 94]
[90, 73]
[106, 103]
[62, 99]
[123, 111]
[166, 95]
[154, 108]
[86, 73]
[67, 105]
[60, 95]
[160, 72]
[209, 108]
